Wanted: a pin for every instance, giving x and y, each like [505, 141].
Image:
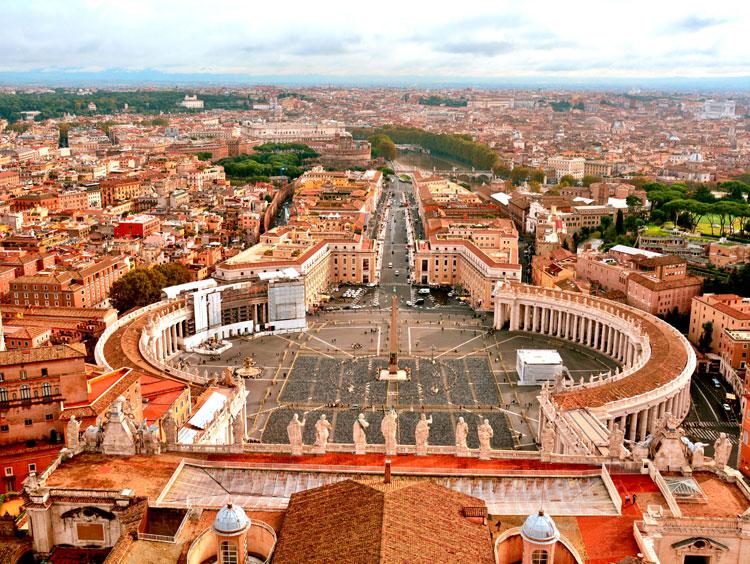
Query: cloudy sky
[405, 38]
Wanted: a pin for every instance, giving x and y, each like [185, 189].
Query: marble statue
[617, 443]
[91, 438]
[72, 433]
[153, 440]
[322, 432]
[170, 429]
[462, 431]
[722, 450]
[359, 432]
[549, 437]
[422, 434]
[294, 431]
[238, 429]
[389, 428]
[485, 433]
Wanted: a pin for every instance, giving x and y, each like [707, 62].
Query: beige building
[723, 311]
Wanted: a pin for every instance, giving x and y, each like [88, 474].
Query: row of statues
[389, 430]
[668, 446]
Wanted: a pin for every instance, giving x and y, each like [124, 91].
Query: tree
[204, 155]
[589, 179]
[704, 342]
[703, 194]
[383, 147]
[143, 286]
[567, 180]
[620, 223]
[606, 222]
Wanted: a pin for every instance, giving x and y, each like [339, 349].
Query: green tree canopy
[142, 286]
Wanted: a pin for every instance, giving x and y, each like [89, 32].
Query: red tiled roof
[399, 522]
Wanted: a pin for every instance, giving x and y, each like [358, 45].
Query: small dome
[231, 519]
[540, 529]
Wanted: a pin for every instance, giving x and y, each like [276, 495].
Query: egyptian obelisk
[393, 372]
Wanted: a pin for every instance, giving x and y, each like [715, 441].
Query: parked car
[716, 383]
[726, 407]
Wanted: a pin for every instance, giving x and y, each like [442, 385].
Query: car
[424, 291]
[409, 303]
[716, 383]
[390, 265]
[395, 273]
[419, 301]
[726, 407]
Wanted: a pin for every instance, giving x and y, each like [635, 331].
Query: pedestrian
[633, 499]
[627, 499]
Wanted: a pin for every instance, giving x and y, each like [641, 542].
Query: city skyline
[340, 43]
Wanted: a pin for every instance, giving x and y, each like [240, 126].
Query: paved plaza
[457, 366]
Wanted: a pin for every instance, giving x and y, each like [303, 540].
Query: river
[425, 161]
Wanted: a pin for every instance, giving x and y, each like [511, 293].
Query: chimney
[387, 475]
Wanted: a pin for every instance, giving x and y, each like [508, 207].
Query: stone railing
[125, 320]
[645, 545]
[171, 539]
[121, 322]
[612, 489]
[661, 483]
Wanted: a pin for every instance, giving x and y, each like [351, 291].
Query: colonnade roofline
[655, 356]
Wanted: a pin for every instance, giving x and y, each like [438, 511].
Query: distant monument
[393, 372]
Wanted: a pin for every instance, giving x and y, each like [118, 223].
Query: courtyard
[457, 366]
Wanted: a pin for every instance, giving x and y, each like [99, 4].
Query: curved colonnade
[657, 365]
[146, 339]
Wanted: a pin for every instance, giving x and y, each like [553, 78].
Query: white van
[390, 265]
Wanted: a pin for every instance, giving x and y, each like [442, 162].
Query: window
[28, 422]
[2, 377]
[4, 428]
[46, 389]
[8, 471]
[25, 392]
[23, 375]
[32, 467]
[3, 394]
[48, 417]
[228, 553]
[539, 557]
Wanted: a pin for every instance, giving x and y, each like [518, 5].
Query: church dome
[540, 529]
[230, 520]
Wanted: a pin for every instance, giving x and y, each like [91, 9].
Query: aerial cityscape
[395, 283]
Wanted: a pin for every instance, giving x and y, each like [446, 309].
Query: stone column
[597, 330]
[536, 318]
[526, 318]
[174, 338]
[514, 314]
[633, 426]
[652, 419]
[642, 424]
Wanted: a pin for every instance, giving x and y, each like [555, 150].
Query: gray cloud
[486, 48]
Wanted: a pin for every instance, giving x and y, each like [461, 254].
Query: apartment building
[565, 166]
[723, 311]
[85, 286]
[651, 282]
[32, 385]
